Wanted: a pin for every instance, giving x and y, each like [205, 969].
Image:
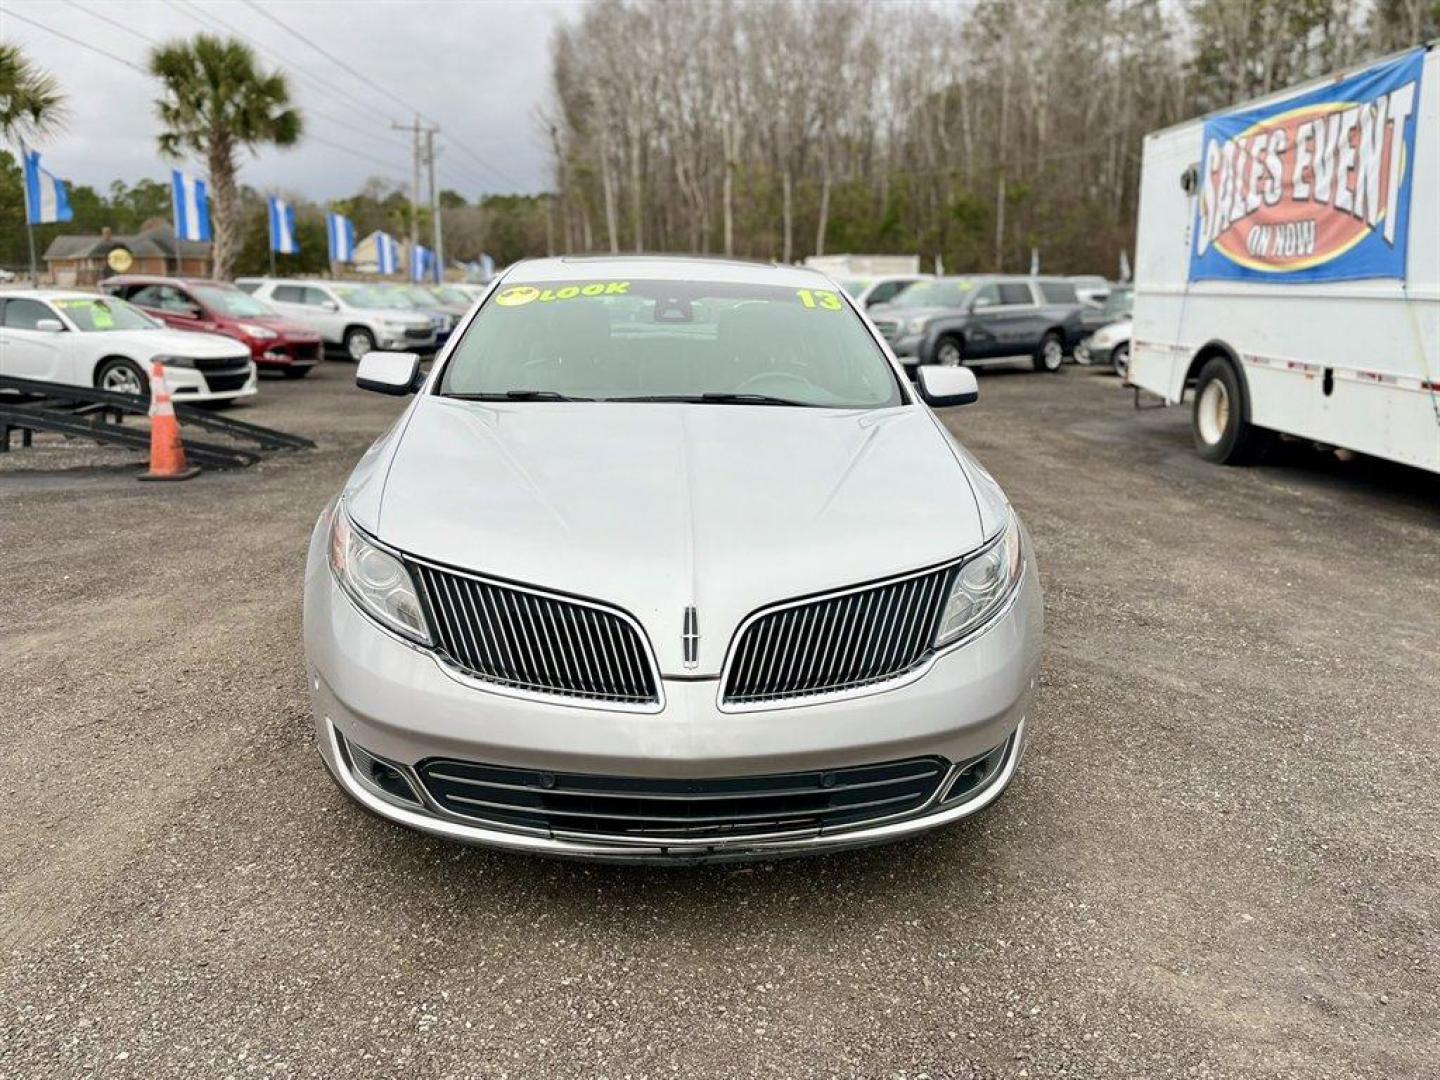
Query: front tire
[1217, 419]
[1051, 354]
[948, 352]
[121, 376]
[358, 342]
[1120, 359]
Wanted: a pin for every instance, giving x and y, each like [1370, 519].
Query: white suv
[350, 314]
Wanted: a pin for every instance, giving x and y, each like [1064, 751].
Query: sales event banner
[1313, 188]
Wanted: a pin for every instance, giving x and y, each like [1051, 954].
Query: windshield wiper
[518, 395]
[719, 399]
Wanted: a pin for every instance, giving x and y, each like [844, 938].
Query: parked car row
[978, 320]
[91, 339]
[214, 336]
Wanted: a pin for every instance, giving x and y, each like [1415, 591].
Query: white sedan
[85, 339]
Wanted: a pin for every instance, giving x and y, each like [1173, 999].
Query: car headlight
[982, 586]
[915, 326]
[173, 361]
[260, 333]
[376, 580]
[395, 327]
[1103, 338]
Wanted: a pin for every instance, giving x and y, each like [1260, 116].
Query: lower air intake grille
[838, 642]
[538, 642]
[580, 804]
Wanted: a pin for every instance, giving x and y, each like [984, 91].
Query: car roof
[661, 268]
[51, 294]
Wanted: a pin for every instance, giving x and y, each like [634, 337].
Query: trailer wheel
[1217, 420]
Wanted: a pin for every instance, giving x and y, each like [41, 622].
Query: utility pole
[435, 229]
[417, 155]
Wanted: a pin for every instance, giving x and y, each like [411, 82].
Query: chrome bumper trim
[622, 850]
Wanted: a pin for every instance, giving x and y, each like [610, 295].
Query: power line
[112, 22]
[198, 14]
[76, 41]
[377, 87]
[334, 59]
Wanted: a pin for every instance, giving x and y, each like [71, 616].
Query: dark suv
[981, 320]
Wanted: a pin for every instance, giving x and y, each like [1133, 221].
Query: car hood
[395, 315]
[191, 343]
[279, 323]
[654, 507]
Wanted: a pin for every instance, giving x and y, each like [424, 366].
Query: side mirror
[396, 373]
[982, 304]
[945, 386]
[49, 326]
[329, 305]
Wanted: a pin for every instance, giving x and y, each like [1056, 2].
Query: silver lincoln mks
[668, 560]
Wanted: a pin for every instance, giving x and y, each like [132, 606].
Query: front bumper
[401, 704]
[288, 352]
[227, 384]
[1087, 352]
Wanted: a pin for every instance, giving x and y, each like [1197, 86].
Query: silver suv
[350, 314]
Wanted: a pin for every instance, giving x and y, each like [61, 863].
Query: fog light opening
[381, 776]
[975, 774]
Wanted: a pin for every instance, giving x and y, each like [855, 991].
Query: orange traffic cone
[167, 452]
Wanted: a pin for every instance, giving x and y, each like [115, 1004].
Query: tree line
[974, 132]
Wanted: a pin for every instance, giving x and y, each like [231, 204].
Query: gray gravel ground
[1221, 857]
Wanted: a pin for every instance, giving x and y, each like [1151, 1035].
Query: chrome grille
[661, 809]
[888, 330]
[537, 642]
[837, 642]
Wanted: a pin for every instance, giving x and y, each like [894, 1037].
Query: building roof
[157, 240]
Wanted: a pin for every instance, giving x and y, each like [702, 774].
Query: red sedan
[217, 307]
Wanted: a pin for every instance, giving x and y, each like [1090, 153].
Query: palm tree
[216, 100]
[31, 103]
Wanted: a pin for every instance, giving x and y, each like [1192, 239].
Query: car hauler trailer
[1288, 266]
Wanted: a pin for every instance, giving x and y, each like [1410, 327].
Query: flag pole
[29, 228]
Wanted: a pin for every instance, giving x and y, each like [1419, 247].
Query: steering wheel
[772, 376]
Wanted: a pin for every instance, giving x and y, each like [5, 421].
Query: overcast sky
[478, 68]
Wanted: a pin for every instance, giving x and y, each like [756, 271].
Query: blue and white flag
[45, 199]
[342, 238]
[387, 258]
[422, 262]
[487, 267]
[191, 207]
[282, 227]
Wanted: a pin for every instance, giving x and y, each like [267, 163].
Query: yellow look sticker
[519, 295]
[100, 316]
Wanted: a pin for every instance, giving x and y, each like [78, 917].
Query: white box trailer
[1288, 266]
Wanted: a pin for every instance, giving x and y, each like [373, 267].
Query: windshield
[452, 296]
[232, 302]
[853, 286]
[100, 313]
[1120, 303]
[392, 296]
[948, 293]
[693, 341]
[421, 297]
[362, 297]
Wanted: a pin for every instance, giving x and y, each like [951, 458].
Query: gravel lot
[1221, 856]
